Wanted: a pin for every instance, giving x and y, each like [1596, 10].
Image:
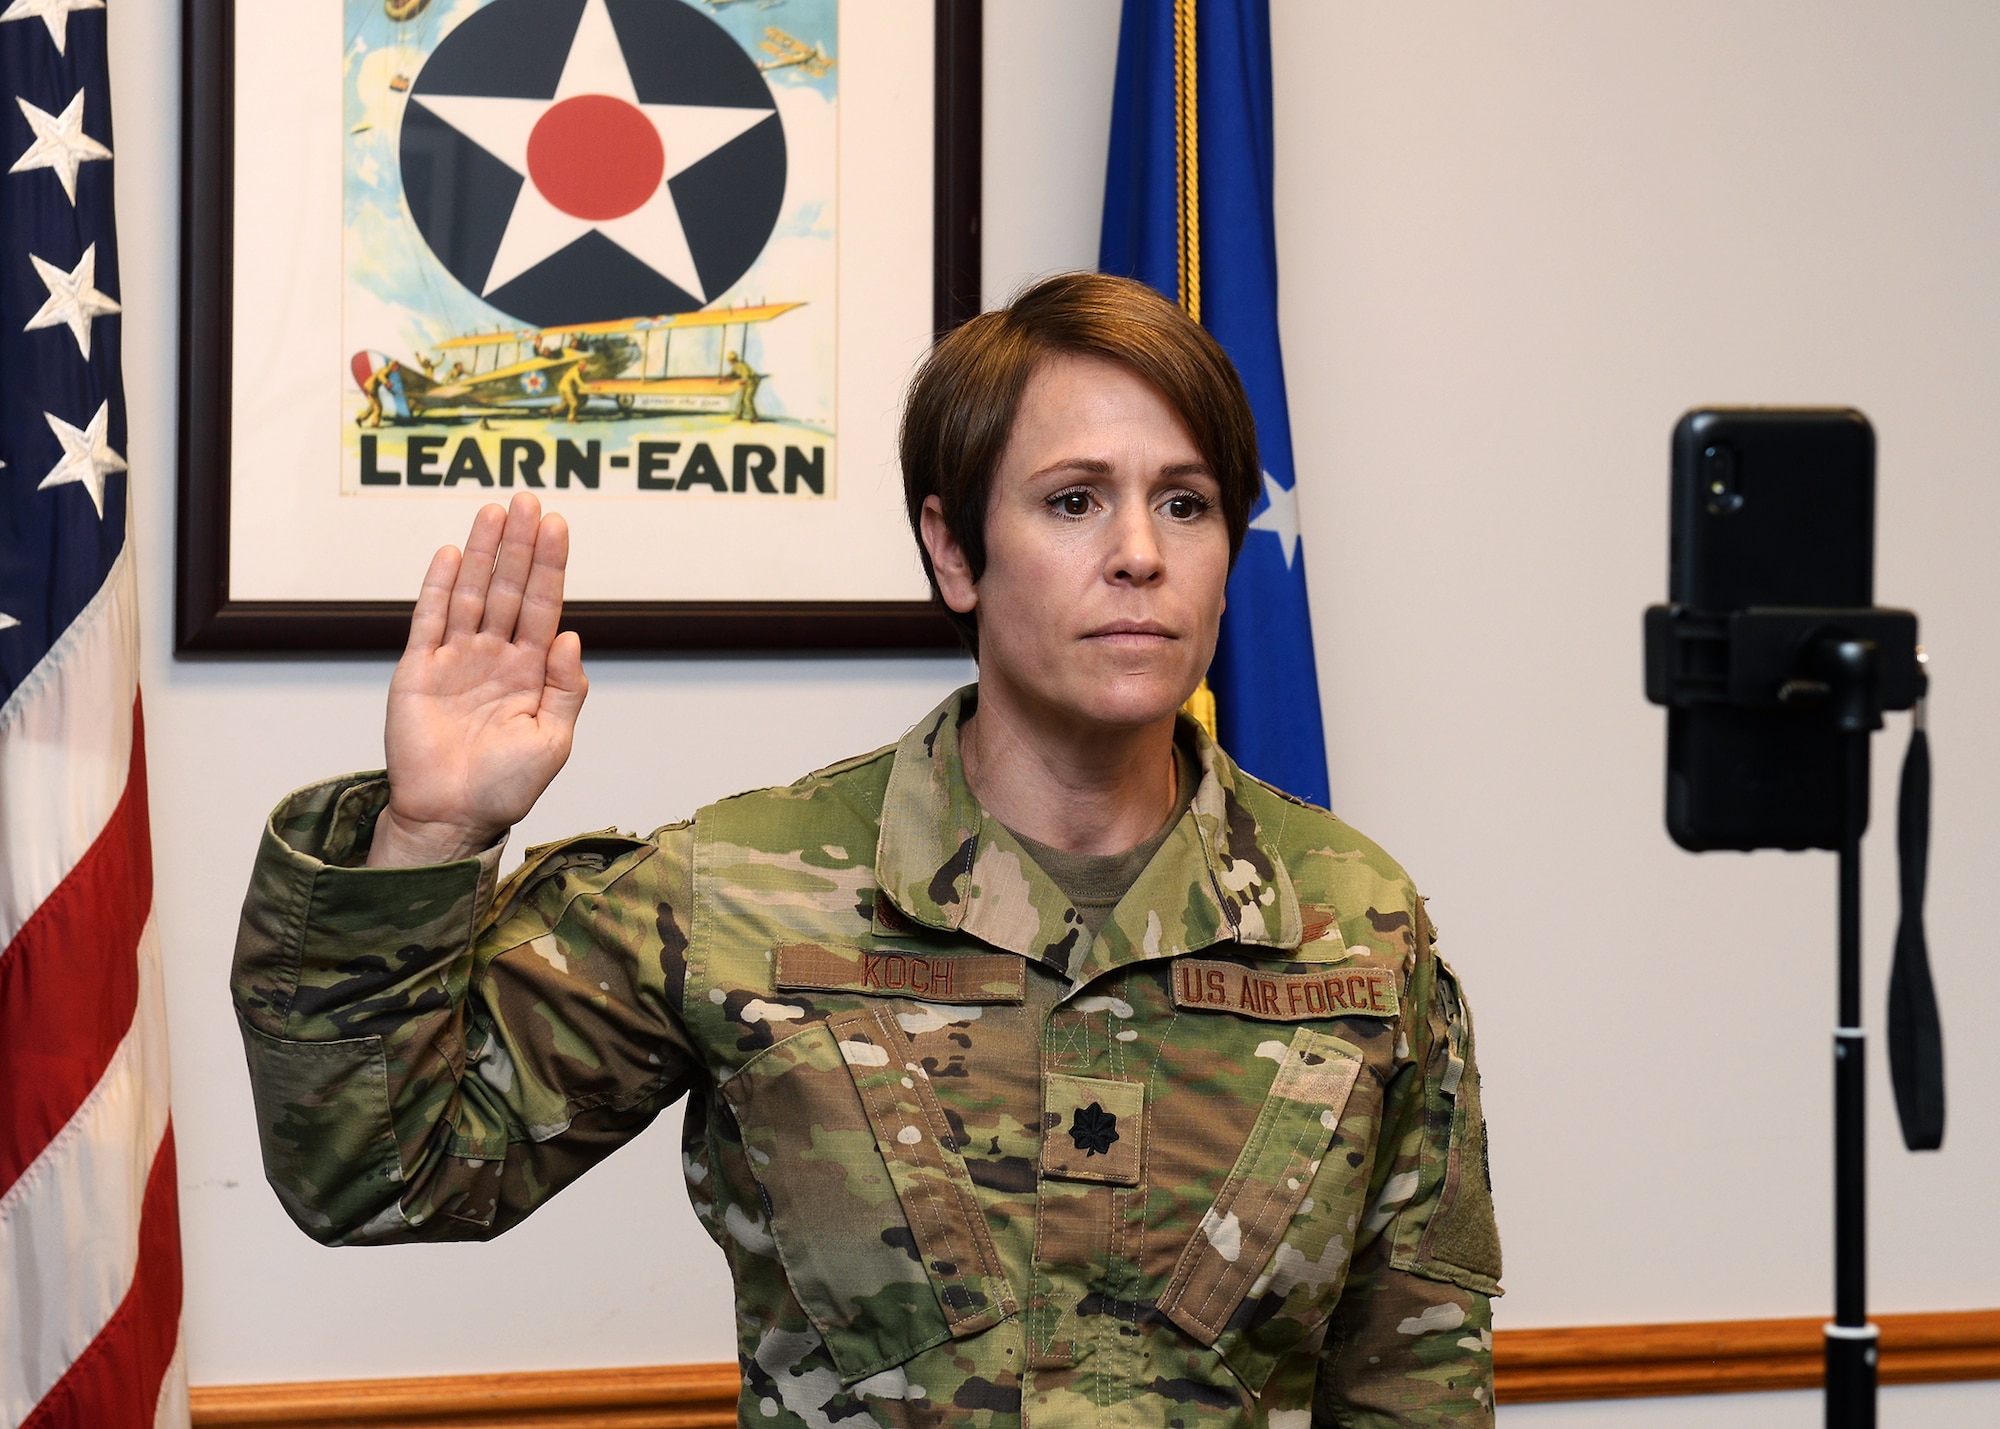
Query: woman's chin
[1133, 702]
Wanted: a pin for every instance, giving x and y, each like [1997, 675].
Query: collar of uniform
[945, 863]
[930, 826]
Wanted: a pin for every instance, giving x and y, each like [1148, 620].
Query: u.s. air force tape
[1286, 997]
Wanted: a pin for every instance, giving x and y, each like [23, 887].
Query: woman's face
[1106, 552]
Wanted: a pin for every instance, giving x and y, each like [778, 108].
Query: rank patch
[1286, 996]
[1092, 1128]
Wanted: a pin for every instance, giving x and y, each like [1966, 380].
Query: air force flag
[1191, 139]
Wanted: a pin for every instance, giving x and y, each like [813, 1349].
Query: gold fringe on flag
[1187, 177]
[1187, 158]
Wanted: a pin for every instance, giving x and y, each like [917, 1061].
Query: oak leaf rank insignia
[1093, 1129]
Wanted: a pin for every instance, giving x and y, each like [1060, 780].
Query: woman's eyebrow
[1094, 466]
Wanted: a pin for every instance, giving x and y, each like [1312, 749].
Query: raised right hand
[483, 704]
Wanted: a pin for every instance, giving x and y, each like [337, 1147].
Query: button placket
[1065, 1045]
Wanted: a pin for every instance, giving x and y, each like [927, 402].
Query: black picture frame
[207, 621]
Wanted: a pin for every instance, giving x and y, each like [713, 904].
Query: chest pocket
[1262, 1270]
[869, 1201]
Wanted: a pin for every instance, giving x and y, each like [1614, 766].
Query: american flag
[90, 1273]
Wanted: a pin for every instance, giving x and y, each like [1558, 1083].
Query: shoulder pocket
[1459, 1241]
[324, 1120]
[870, 1204]
[1262, 1270]
[585, 856]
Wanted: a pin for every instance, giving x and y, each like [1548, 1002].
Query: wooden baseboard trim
[696, 1396]
[1730, 1356]
[1591, 1362]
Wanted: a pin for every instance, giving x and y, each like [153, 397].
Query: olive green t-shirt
[1094, 882]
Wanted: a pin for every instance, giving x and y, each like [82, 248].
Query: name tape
[1286, 997]
[978, 978]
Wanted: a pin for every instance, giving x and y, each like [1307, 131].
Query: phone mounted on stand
[1775, 666]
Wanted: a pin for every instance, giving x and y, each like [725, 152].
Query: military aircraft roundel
[584, 160]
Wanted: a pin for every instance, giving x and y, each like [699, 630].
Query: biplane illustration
[578, 372]
[787, 51]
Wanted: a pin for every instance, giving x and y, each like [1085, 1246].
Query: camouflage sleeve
[433, 1056]
[1411, 1342]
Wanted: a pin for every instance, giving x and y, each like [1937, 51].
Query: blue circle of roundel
[461, 196]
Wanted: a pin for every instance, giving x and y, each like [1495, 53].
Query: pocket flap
[835, 1220]
[929, 1174]
[1238, 1234]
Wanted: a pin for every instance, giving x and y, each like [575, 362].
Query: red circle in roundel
[595, 157]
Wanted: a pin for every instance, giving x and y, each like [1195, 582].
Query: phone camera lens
[1718, 470]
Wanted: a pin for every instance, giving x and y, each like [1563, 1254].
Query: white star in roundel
[60, 143]
[73, 297]
[595, 90]
[53, 13]
[87, 457]
[1280, 517]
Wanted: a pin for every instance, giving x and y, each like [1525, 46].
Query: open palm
[484, 702]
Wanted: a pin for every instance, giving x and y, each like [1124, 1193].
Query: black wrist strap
[1916, 1042]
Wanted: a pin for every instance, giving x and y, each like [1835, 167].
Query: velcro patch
[1286, 997]
[976, 978]
[1093, 1128]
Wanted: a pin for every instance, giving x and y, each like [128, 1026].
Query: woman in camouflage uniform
[1044, 1067]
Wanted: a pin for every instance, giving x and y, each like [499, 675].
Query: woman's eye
[1185, 508]
[1074, 503]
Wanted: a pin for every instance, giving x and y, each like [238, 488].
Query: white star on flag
[60, 142]
[73, 297]
[1280, 517]
[537, 228]
[87, 457]
[53, 13]
[7, 622]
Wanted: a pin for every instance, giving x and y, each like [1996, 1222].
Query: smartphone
[1772, 507]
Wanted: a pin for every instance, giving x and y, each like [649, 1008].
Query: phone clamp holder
[1841, 668]
[1856, 663]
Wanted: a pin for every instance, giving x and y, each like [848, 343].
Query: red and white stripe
[90, 1270]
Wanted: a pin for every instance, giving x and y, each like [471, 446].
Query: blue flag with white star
[1187, 209]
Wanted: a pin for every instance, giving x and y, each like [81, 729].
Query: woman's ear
[948, 562]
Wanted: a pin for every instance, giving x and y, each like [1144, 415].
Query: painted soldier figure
[1043, 1067]
[569, 388]
[746, 394]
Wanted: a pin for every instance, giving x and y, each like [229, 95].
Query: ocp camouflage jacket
[1224, 1165]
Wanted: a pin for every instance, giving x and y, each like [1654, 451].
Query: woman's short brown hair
[962, 403]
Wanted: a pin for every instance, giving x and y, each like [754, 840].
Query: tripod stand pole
[1851, 1341]
[1844, 667]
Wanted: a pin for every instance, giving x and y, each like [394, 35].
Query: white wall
[1517, 241]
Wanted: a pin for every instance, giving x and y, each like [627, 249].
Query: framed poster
[667, 263]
